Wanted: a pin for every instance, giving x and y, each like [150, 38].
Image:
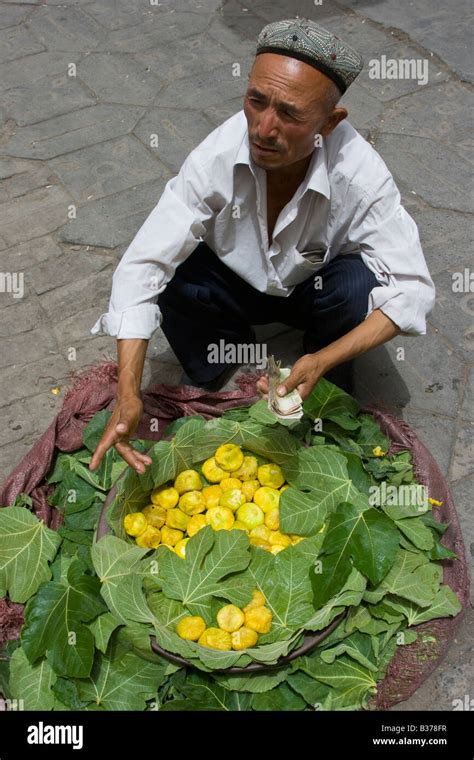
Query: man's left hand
[305, 374]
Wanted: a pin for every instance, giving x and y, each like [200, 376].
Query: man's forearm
[375, 330]
[131, 359]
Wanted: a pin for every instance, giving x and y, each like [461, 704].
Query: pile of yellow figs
[242, 496]
[236, 629]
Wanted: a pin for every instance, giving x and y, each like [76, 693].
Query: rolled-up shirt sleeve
[390, 247]
[168, 236]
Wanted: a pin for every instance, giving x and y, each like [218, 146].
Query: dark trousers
[206, 302]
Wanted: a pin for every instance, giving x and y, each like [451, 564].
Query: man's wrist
[127, 389]
[324, 360]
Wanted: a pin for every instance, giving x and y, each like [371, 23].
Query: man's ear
[339, 113]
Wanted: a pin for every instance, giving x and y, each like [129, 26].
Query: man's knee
[344, 286]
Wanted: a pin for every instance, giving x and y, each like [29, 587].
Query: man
[284, 213]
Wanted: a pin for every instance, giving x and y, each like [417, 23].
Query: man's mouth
[263, 149]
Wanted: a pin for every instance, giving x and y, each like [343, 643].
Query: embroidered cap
[305, 40]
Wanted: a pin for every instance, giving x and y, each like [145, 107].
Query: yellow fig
[195, 524]
[244, 638]
[165, 496]
[192, 502]
[220, 518]
[233, 499]
[135, 523]
[239, 526]
[150, 538]
[272, 519]
[211, 495]
[249, 487]
[155, 515]
[267, 498]
[276, 548]
[296, 539]
[258, 619]
[216, 638]
[180, 548]
[280, 539]
[230, 618]
[227, 483]
[258, 600]
[176, 518]
[212, 472]
[170, 536]
[260, 533]
[191, 627]
[229, 457]
[270, 475]
[188, 480]
[250, 515]
[247, 470]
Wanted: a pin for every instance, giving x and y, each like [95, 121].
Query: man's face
[286, 106]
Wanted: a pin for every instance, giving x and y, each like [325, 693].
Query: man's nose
[267, 128]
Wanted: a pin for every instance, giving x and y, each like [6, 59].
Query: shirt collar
[316, 176]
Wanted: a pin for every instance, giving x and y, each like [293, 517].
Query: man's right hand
[123, 423]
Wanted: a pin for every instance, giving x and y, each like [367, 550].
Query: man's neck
[289, 176]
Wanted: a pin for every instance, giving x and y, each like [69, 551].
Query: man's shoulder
[351, 158]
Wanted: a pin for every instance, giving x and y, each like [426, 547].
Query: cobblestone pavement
[85, 84]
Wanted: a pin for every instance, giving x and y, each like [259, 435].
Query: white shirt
[347, 201]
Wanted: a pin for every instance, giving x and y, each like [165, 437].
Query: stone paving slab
[440, 115]
[432, 372]
[244, 49]
[31, 176]
[439, 26]
[365, 110]
[462, 491]
[436, 431]
[106, 169]
[453, 315]
[114, 220]
[445, 236]
[15, 422]
[219, 113]
[19, 319]
[16, 43]
[30, 103]
[467, 408]
[26, 254]
[386, 89]
[20, 381]
[12, 15]
[178, 59]
[116, 78]
[72, 131]
[34, 345]
[462, 463]
[33, 69]
[75, 328]
[116, 14]
[65, 28]
[73, 298]
[436, 173]
[171, 127]
[67, 268]
[201, 91]
[145, 36]
[34, 214]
